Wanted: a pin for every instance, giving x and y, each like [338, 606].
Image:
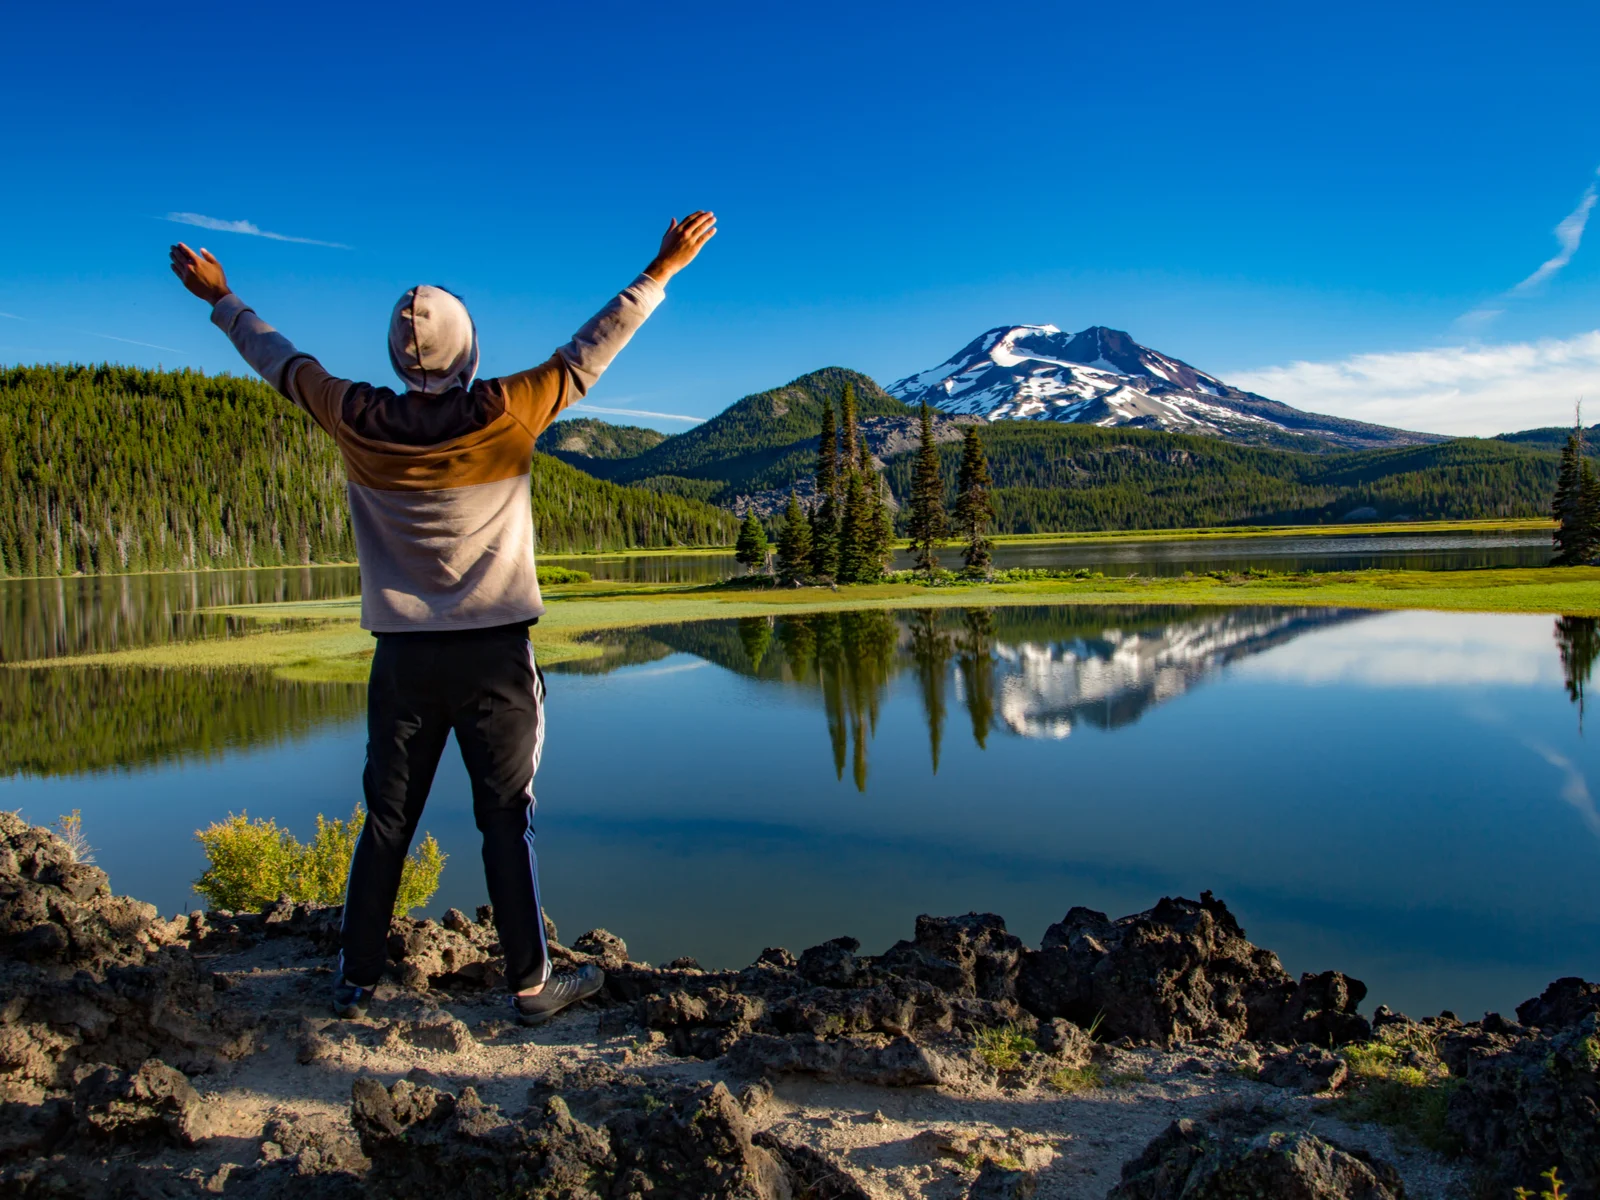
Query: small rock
[995, 1182]
[438, 1031]
[1311, 1069]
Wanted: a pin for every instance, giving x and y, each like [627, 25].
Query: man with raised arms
[439, 491]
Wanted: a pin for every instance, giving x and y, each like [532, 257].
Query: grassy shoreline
[320, 641]
[1099, 537]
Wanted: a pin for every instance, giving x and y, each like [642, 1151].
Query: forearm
[267, 351]
[603, 336]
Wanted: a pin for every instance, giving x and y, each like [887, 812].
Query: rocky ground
[1157, 1056]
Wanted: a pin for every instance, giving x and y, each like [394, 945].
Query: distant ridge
[1103, 377]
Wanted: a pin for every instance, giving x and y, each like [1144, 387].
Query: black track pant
[484, 685]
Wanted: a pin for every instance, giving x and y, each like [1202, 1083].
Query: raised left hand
[201, 273]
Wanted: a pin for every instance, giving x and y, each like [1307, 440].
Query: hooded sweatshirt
[438, 475]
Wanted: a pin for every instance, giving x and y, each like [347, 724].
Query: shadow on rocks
[1248, 1152]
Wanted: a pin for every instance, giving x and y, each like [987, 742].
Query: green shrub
[1400, 1082]
[1554, 1192]
[1003, 1046]
[252, 863]
[1072, 1080]
[554, 575]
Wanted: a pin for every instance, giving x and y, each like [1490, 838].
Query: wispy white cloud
[636, 412]
[12, 316]
[1569, 234]
[111, 337]
[1470, 390]
[246, 227]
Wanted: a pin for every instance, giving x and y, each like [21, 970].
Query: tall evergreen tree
[751, 546]
[847, 427]
[974, 502]
[794, 543]
[825, 516]
[927, 524]
[1576, 504]
[828, 455]
[855, 532]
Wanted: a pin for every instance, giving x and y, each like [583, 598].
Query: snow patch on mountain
[1103, 377]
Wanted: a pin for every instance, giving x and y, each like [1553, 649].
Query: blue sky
[1334, 205]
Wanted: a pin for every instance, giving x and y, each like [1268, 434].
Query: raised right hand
[681, 242]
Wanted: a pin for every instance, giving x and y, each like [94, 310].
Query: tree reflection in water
[1578, 641]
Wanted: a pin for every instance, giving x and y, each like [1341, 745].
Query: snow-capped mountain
[1103, 377]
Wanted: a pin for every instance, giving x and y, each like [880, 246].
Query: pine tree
[927, 525]
[1577, 514]
[847, 427]
[825, 538]
[855, 532]
[751, 546]
[828, 455]
[794, 543]
[825, 517]
[974, 504]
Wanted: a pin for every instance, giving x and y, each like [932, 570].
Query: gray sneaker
[562, 990]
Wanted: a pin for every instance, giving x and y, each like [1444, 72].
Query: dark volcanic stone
[814, 1175]
[1238, 1155]
[672, 1141]
[1309, 1069]
[1536, 1105]
[899, 1062]
[995, 1182]
[1179, 972]
[154, 1103]
[1565, 1002]
[972, 955]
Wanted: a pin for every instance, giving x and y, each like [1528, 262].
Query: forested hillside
[107, 469]
[739, 448]
[579, 439]
[1073, 477]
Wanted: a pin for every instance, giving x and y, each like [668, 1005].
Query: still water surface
[51, 618]
[1353, 552]
[1403, 796]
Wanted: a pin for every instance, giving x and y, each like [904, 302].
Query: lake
[1402, 796]
[1420, 551]
[50, 618]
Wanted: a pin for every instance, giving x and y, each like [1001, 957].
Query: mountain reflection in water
[1032, 672]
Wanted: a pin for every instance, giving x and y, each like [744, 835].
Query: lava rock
[33, 1130]
[438, 1031]
[1309, 1069]
[1062, 1039]
[1238, 1154]
[815, 1175]
[602, 948]
[1565, 1002]
[155, 1103]
[312, 1144]
[1320, 1009]
[688, 1140]
[1534, 1106]
[896, 1062]
[971, 955]
[995, 1182]
[1179, 972]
